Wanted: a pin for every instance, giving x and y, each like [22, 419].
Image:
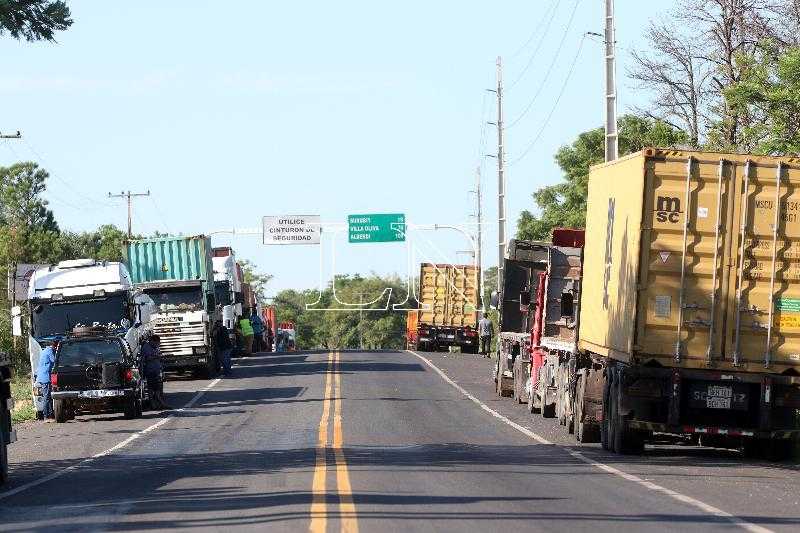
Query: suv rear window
[89, 352]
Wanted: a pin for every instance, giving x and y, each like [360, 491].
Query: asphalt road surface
[388, 441]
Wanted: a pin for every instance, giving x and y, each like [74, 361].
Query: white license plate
[451, 336]
[100, 393]
[719, 397]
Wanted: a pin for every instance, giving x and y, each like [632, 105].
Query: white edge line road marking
[706, 508]
[135, 436]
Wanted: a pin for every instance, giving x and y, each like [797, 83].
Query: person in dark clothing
[224, 347]
[151, 360]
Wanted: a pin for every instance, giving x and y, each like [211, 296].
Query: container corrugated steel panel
[719, 290]
[448, 295]
[170, 258]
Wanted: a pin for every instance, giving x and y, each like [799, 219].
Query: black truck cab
[96, 372]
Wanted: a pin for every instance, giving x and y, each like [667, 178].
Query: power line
[538, 47]
[549, 69]
[129, 195]
[555, 105]
[160, 214]
[552, 7]
[68, 185]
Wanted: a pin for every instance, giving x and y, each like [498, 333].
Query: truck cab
[84, 293]
[183, 321]
[227, 287]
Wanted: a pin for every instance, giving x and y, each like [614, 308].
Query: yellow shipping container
[448, 295]
[692, 260]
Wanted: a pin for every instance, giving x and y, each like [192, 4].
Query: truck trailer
[7, 433]
[178, 274]
[689, 306]
[448, 305]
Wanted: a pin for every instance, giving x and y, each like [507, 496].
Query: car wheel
[61, 411]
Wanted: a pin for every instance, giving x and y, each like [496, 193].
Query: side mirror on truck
[494, 300]
[16, 321]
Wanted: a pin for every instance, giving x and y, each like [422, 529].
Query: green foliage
[34, 20]
[258, 282]
[332, 325]
[564, 204]
[770, 88]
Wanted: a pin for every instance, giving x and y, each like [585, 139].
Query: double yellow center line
[319, 506]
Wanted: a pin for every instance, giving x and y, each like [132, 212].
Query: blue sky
[228, 111]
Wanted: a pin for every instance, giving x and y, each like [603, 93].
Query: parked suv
[96, 373]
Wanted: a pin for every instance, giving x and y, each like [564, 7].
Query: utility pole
[129, 195]
[479, 217]
[12, 274]
[612, 146]
[501, 180]
[360, 318]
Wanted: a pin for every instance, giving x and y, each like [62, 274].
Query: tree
[34, 20]
[331, 325]
[258, 282]
[771, 86]
[27, 227]
[564, 204]
[699, 54]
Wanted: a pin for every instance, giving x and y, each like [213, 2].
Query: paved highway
[389, 441]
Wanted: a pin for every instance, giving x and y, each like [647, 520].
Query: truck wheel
[623, 440]
[604, 424]
[61, 411]
[129, 410]
[3, 448]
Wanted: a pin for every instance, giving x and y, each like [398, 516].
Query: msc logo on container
[668, 209]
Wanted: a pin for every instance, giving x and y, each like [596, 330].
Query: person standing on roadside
[258, 331]
[46, 361]
[247, 335]
[485, 331]
[151, 358]
[224, 347]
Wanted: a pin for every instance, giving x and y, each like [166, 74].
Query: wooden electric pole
[129, 195]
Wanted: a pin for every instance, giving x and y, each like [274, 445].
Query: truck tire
[584, 432]
[4, 416]
[604, 429]
[61, 411]
[622, 440]
[129, 408]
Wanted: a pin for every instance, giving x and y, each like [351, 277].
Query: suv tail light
[54, 380]
[470, 332]
[129, 375]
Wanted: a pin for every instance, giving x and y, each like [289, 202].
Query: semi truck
[227, 286]
[448, 308]
[7, 433]
[689, 305]
[178, 274]
[523, 262]
[83, 293]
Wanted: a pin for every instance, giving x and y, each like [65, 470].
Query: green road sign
[384, 227]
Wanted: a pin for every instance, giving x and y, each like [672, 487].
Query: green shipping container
[170, 259]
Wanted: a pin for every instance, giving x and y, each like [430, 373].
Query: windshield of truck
[90, 352]
[180, 298]
[49, 318]
[222, 292]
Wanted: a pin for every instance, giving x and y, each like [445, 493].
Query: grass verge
[23, 405]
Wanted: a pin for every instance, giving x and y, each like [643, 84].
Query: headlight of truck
[199, 350]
